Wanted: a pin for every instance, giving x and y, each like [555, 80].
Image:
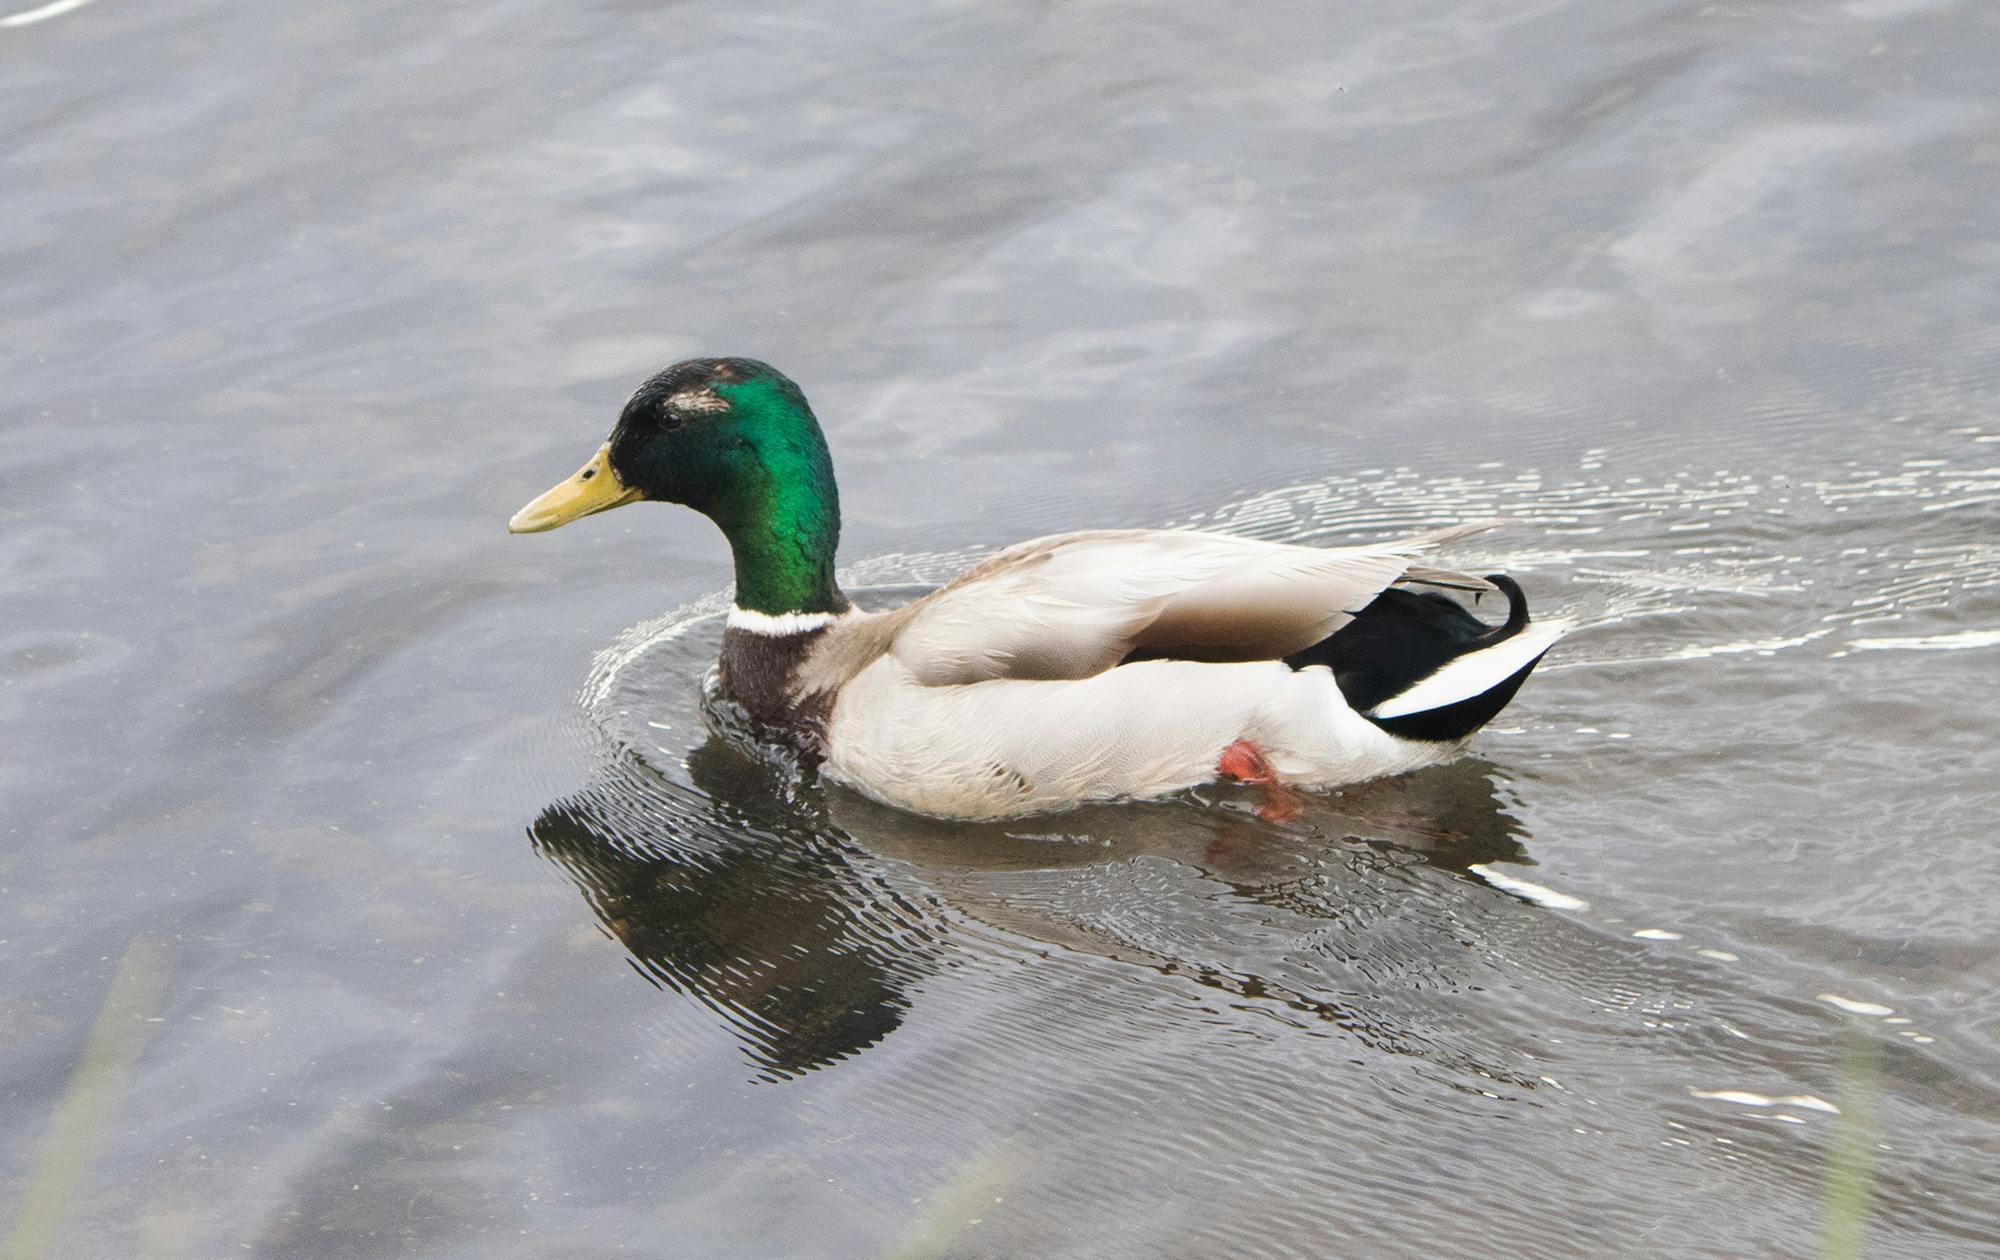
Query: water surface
[452, 931]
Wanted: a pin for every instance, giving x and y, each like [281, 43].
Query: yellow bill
[594, 488]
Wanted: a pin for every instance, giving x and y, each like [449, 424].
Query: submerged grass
[1850, 1175]
[961, 1205]
[90, 1100]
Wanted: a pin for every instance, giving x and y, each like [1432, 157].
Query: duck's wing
[1074, 605]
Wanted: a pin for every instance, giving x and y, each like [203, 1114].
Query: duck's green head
[735, 440]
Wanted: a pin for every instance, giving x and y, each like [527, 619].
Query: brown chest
[758, 672]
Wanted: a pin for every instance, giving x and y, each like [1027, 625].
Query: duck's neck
[783, 538]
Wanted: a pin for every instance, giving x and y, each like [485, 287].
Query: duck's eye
[671, 419]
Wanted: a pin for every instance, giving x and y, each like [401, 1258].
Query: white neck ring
[777, 625]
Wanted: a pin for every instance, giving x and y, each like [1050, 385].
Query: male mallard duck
[1072, 668]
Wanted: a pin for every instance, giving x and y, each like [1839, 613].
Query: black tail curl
[1403, 637]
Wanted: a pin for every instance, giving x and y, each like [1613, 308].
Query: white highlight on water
[1931, 642]
[1532, 892]
[43, 14]
[1744, 1098]
[1853, 1007]
[1656, 934]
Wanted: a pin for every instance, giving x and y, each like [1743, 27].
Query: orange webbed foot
[1244, 762]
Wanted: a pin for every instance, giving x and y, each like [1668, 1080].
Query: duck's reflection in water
[731, 894]
[804, 916]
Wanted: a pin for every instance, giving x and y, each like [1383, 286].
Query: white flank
[1474, 672]
[777, 625]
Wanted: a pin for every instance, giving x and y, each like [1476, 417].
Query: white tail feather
[1475, 672]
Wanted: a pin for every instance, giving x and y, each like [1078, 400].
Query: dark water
[370, 884]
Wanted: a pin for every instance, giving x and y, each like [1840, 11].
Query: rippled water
[373, 884]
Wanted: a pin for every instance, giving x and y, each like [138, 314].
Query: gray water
[371, 887]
